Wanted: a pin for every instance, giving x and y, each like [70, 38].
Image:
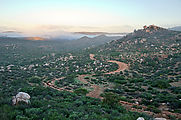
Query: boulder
[160, 119]
[21, 96]
[140, 118]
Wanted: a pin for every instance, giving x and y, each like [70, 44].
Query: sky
[35, 16]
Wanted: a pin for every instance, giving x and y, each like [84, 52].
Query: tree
[161, 84]
[81, 91]
[110, 99]
[34, 79]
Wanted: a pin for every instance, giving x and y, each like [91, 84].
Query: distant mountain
[90, 33]
[19, 35]
[85, 41]
[55, 35]
[100, 33]
[178, 28]
[94, 34]
[42, 44]
[11, 33]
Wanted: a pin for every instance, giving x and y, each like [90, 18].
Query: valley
[137, 75]
[90, 60]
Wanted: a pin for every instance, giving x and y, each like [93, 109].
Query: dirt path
[97, 90]
[122, 67]
[81, 78]
[163, 114]
[51, 84]
[92, 57]
[129, 106]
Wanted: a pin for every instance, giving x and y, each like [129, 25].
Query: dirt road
[51, 84]
[92, 57]
[122, 67]
[97, 90]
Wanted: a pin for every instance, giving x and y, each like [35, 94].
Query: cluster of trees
[50, 104]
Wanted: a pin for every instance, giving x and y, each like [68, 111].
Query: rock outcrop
[151, 28]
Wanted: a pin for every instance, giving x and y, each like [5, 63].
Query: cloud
[4, 28]
[11, 31]
[62, 31]
[67, 28]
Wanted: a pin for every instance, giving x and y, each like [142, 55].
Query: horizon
[38, 17]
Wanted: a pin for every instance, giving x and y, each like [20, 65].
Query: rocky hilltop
[153, 55]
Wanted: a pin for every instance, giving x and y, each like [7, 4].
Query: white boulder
[21, 96]
[160, 119]
[140, 118]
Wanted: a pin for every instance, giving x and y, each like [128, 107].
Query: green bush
[162, 84]
[110, 99]
[81, 91]
[34, 79]
[120, 81]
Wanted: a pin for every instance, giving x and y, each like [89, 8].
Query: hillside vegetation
[137, 75]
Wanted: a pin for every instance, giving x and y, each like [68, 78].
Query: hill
[30, 47]
[85, 41]
[151, 38]
[177, 28]
[137, 75]
[153, 55]
[100, 33]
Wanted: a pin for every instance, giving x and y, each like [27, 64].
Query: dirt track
[92, 57]
[97, 90]
[122, 67]
[52, 85]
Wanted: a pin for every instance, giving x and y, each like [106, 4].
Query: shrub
[162, 84]
[34, 79]
[81, 91]
[110, 99]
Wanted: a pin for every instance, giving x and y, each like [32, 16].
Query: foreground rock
[21, 96]
[140, 118]
[160, 119]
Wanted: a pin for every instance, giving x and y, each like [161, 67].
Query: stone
[21, 96]
[140, 118]
[160, 119]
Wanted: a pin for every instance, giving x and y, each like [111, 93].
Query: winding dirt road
[51, 84]
[121, 67]
[97, 90]
[129, 106]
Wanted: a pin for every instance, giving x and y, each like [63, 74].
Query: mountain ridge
[177, 28]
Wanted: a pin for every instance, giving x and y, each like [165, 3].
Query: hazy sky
[87, 15]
